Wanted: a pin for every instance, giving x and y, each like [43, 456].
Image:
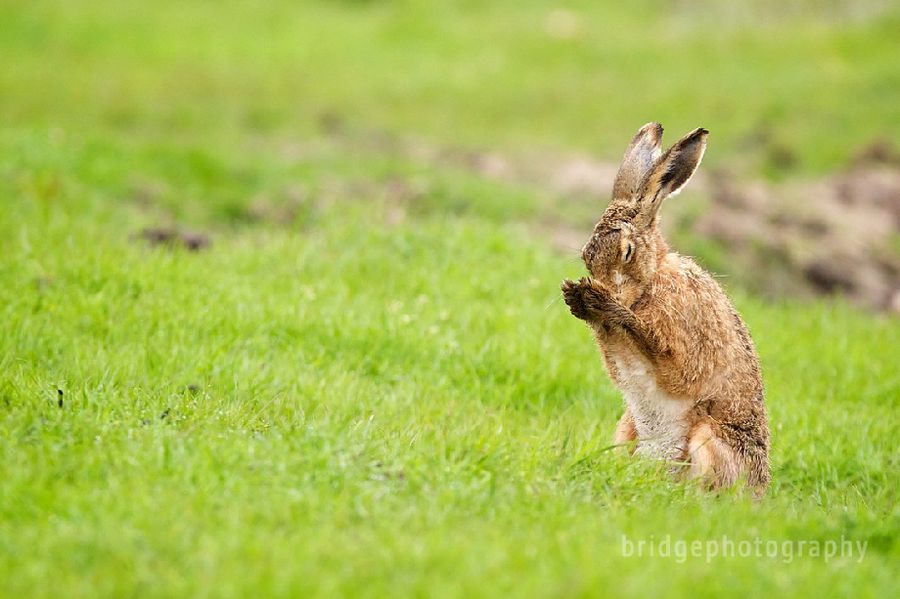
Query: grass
[351, 394]
[805, 84]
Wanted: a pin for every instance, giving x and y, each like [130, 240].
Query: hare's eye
[627, 251]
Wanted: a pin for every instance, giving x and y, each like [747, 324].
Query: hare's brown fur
[670, 338]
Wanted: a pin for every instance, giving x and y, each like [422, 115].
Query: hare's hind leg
[626, 433]
[711, 458]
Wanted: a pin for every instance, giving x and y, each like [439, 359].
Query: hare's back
[688, 308]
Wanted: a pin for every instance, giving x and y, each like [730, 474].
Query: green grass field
[354, 394]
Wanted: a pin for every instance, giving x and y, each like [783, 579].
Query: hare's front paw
[586, 301]
[573, 294]
[582, 298]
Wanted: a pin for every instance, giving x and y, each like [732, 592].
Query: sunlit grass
[348, 406]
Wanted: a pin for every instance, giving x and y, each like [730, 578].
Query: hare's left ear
[638, 161]
[671, 172]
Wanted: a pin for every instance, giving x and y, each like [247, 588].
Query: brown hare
[670, 338]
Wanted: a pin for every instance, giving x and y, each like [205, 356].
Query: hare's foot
[711, 458]
[626, 433]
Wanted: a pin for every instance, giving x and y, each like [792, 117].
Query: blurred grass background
[814, 79]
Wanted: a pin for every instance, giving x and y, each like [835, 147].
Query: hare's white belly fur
[660, 419]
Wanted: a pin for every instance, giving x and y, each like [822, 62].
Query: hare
[671, 340]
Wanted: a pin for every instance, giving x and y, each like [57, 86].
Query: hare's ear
[671, 173]
[641, 155]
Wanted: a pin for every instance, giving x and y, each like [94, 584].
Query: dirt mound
[835, 236]
[174, 238]
[839, 235]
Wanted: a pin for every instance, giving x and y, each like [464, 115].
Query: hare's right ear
[641, 155]
[670, 174]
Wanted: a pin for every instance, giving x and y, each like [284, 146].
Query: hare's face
[622, 259]
[626, 248]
